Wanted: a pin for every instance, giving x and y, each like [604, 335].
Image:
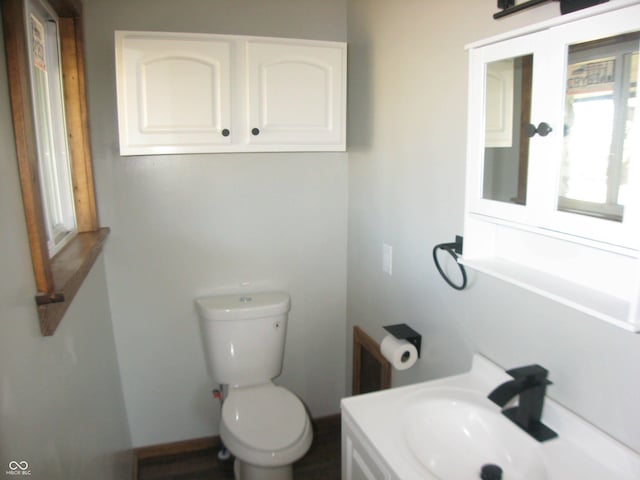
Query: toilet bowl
[265, 426]
[267, 429]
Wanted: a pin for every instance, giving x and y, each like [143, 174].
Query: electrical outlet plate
[387, 258]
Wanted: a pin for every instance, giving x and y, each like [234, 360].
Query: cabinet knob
[255, 131]
[543, 129]
[225, 132]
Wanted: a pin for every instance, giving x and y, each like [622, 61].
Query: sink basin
[447, 429]
[454, 433]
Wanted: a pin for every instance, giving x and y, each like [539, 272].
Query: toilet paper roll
[400, 353]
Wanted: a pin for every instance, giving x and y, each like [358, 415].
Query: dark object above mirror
[568, 6]
[507, 7]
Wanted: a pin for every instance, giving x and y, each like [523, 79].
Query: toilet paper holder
[402, 331]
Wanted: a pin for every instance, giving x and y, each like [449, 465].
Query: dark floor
[322, 461]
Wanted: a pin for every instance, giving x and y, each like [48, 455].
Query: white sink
[455, 432]
[448, 429]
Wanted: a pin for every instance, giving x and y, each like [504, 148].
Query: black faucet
[529, 385]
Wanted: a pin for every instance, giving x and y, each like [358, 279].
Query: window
[44, 50]
[51, 129]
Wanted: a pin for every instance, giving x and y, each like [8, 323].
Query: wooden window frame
[57, 278]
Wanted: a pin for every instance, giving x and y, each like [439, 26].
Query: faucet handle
[530, 374]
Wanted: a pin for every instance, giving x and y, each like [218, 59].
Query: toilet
[265, 426]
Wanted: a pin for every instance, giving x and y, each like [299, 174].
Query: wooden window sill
[69, 269]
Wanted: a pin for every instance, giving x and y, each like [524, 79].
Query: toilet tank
[243, 336]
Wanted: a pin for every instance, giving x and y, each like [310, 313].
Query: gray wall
[407, 122]
[61, 403]
[191, 225]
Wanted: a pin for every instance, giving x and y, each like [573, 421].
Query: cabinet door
[510, 91]
[358, 463]
[359, 466]
[173, 92]
[593, 189]
[296, 94]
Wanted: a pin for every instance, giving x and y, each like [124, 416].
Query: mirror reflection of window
[507, 110]
[600, 107]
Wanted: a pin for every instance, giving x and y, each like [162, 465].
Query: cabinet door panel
[505, 97]
[596, 170]
[165, 108]
[295, 94]
[358, 465]
[174, 93]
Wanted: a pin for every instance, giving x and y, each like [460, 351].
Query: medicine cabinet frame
[588, 263]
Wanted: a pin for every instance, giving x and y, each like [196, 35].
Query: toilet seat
[265, 425]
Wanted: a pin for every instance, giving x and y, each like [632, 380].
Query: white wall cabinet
[202, 93]
[558, 212]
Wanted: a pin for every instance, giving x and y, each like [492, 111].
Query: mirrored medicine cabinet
[553, 160]
[598, 121]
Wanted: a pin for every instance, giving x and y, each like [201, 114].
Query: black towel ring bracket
[454, 249]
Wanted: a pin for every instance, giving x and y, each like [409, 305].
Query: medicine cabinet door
[506, 81]
[595, 186]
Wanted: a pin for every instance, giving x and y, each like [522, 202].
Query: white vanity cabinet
[553, 164]
[360, 461]
[203, 93]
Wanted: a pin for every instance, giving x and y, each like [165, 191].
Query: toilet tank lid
[243, 306]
